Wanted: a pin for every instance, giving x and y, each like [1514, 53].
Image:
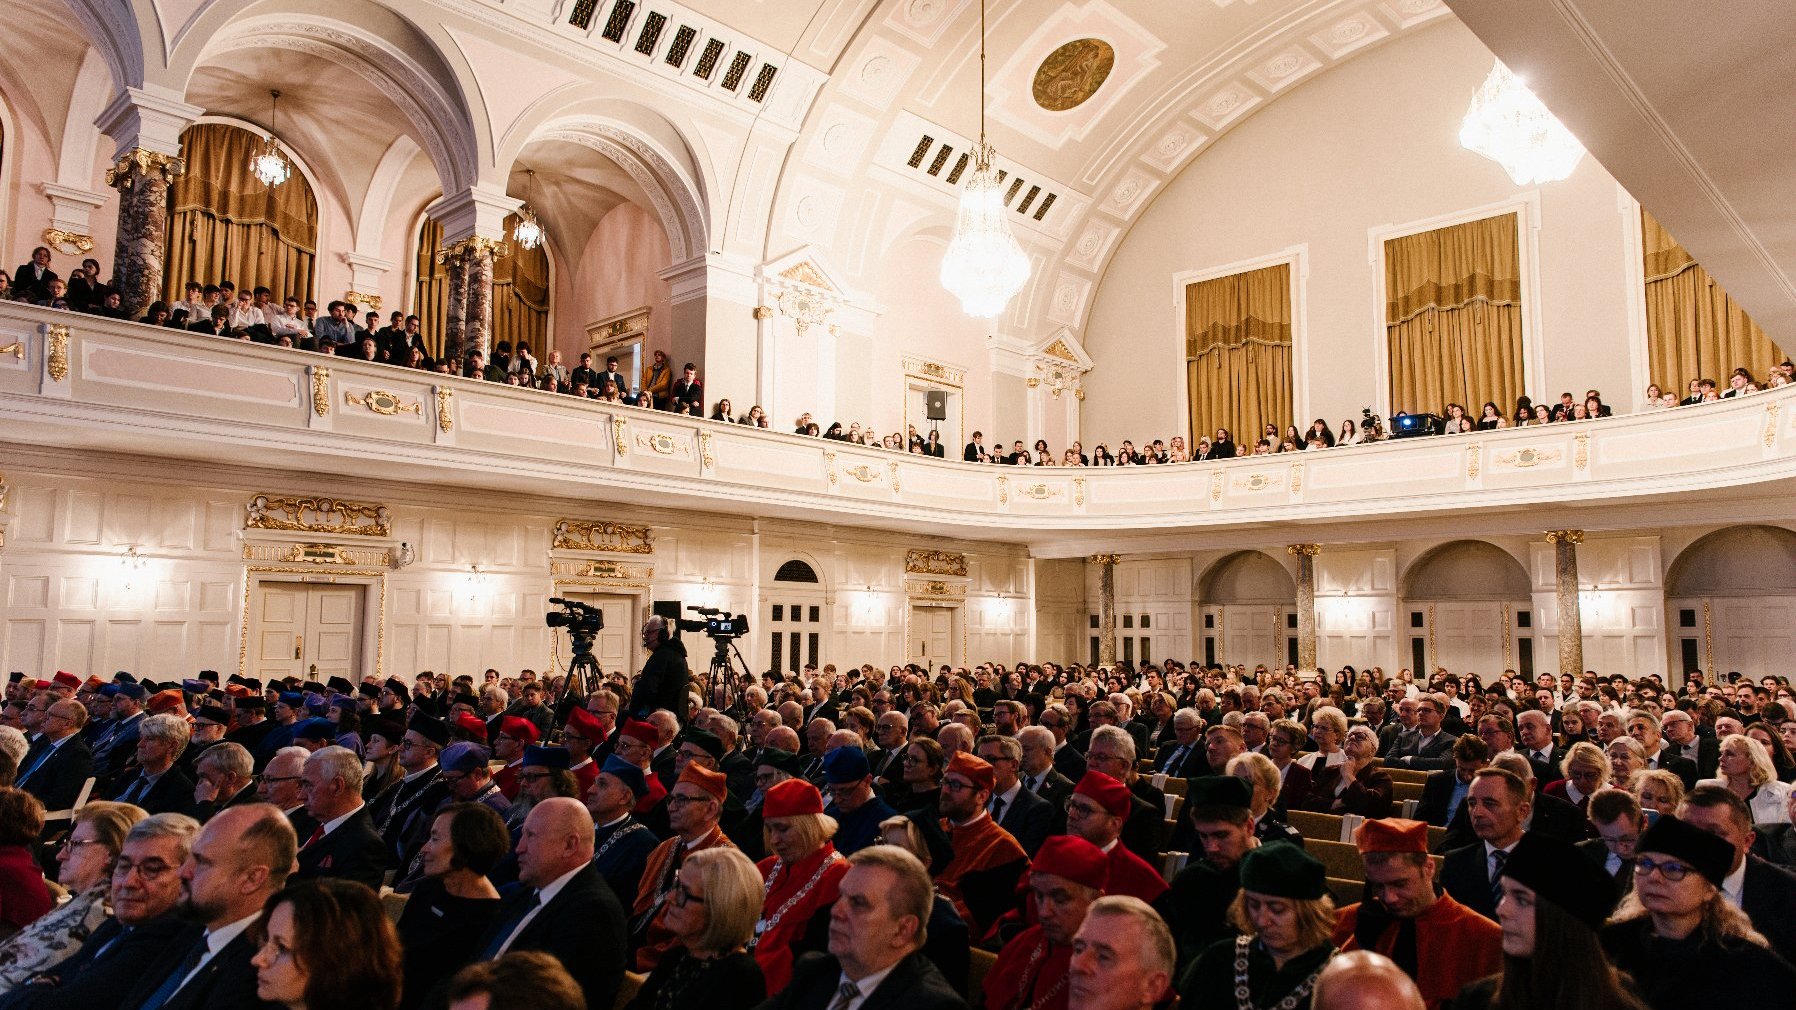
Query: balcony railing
[87, 383]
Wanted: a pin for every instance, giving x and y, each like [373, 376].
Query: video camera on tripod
[721, 679]
[718, 624]
[583, 622]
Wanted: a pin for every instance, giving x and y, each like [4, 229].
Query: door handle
[299, 643]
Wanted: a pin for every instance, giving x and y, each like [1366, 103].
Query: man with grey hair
[1112, 752]
[60, 762]
[1254, 730]
[1185, 757]
[158, 786]
[1025, 815]
[344, 845]
[1067, 759]
[664, 678]
[1038, 773]
[1123, 957]
[227, 778]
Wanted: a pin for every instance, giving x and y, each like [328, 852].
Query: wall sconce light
[133, 564]
[404, 557]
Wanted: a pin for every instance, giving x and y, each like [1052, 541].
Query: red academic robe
[821, 872]
[1131, 875]
[587, 772]
[651, 799]
[1454, 946]
[979, 846]
[1030, 974]
[506, 779]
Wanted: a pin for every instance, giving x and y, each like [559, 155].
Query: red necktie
[317, 833]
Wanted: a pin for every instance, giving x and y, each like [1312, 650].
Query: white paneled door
[932, 635]
[1468, 636]
[309, 631]
[615, 647]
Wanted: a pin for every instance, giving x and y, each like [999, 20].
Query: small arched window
[795, 571]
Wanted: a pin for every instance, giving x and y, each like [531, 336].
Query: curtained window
[224, 225]
[1694, 328]
[1238, 353]
[520, 292]
[1454, 317]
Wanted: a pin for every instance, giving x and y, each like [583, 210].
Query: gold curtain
[520, 292]
[1454, 317]
[521, 295]
[1694, 328]
[430, 302]
[224, 225]
[1238, 353]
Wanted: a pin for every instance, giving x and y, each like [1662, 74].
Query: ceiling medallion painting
[1073, 73]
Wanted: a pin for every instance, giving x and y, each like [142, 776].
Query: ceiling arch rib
[675, 202]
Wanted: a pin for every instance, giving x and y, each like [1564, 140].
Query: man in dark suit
[34, 277]
[237, 863]
[226, 777]
[1444, 791]
[1184, 757]
[565, 908]
[971, 453]
[1643, 727]
[1766, 893]
[1547, 815]
[688, 396]
[158, 786]
[1616, 814]
[1028, 817]
[1067, 759]
[1038, 774]
[875, 944]
[344, 844]
[63, 763]
[1499, 803]
[1683, 741]
[117, 744]
[1432, 746]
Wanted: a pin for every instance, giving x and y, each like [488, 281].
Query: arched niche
[224, 224]
[1467, 570]
[1247, 577]
[1736, 561]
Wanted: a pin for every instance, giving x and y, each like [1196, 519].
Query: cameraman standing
[664, 677]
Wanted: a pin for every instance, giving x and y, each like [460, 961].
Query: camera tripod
[583, 676]
[721, 686]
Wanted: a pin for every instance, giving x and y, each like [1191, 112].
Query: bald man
[664, 678]
[565, 908]
[1363, 980]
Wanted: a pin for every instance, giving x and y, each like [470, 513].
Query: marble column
[1565, 580]
[1106, 607]
[1306, 603]
[456, 311]
[477, 323]
[141, 178]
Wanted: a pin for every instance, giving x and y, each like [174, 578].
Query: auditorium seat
[978, 963]
[394, 904]
[1346, 892]
[1310, 824]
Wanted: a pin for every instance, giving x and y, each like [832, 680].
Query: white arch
[675, 195]
[371, 219]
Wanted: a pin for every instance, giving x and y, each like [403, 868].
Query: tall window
[225, 225]
[1694, 328]
[1454, 317]
[1238, 353]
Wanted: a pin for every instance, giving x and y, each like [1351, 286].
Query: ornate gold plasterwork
[1296, 478]
[1771, 412]
[145, 162]
[1569, 536]
[321, 380]
[1040, 492]
[1307, 550]
[805, 309]
[940, 589]
[1215, 486]
[1525, 458]
[1079, 492]
[895, 488]
[445, 417]
[56, 351]
[1003, 490]
[318, 554]
[705, 453]
[579, 535]
[617, 436]
[16, 349]
[1581, 457]
[1474, 454]
[763, 313]
[372, 301]
[604, 570]
[1256, 482]
[384, 403]
[662, 444]
[829, 467]
[923, 562]
[863, 473]
[806, 272]
[474, 245]
[1105, 559]
[69, 243]
[1073, 73]
[1058, 349]
[318, 515]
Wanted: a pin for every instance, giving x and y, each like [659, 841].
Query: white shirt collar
[336, 822]
[553, 887]
[422, 771]
[1009, 795]
[969, 822]
[619, 820]
[1734, 885]
[871, 982]
[1114, 842]
[216, 939]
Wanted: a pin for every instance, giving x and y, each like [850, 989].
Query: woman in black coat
[711, 911]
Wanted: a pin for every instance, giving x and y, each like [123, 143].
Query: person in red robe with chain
[981, 879]
[693, 809]
[1066, 876]
[1437, 941]
[581, 736]
[1096, 812]
[636, 743]
[801, 879]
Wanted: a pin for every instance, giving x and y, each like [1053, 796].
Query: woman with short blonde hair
[1586, 770]
[1744, 767]
[711, 911]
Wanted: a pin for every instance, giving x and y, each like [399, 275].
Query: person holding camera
[664, 678]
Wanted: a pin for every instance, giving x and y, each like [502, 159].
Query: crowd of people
[862, 838]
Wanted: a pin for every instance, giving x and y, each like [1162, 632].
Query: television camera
[721, 680]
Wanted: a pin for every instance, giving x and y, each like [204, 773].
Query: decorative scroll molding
[619, 442]
[1256, 482]
[806, 272]
[1771, 412]
[1215, 486]
[318, 554]
[1307, 550]
[663, 444]
[935, 371]
[384, 403]
[604, 570]
[806, 309]
[706, 454]
[1474, 454]
[1003, 490]
[896, 489]
[1569, 536]
[56, 354]
[938, 589]
[16, 349]
[321, 382]
[318, 515]
[917, 562]
[69, 243]
[829, 467]
[1040, 492]
[1525, 458]
[120, 175]
[1105, 559]
[1078, 492]
[863, 473]
[474, 245]
[372, 301]
[1296, 478]
[578, 535]
[445, 415]
[1581, 457]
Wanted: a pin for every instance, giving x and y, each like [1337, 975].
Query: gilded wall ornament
[137, 161]
[918, 562]
[56, 352]
[318, 515]
[445, 417]
[321, 381]
[1072, 74]
[384, 403]
[16, 349]
[579, 535]
[69, 243]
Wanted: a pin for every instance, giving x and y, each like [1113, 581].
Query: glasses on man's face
[1076, 808]
[681, 799]
[274, 779]
[150, 869]
[1670, 869]
[72, 844]
[957, 786]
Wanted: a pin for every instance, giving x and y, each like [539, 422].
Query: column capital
[142, 119]
[1105, 559]
[1568, 536]
[1307, 550]
[475, 212]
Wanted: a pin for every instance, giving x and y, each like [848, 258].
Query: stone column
[1571, 618]
[455, 313]
[477, 322]
[141, 178]
[1106, 607]
[1306, 603]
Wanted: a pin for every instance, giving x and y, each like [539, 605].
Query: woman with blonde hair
[1744, 767]
[1659, 791]
[1586, 770]
[84, 861]
[1328, 728]
[1286, 921]
[711, 912]
[802, 877]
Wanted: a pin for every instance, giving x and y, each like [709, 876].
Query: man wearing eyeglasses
[280, 786]
[981, 878]
[146, 885]
[693, 809]
[1432, 746]
[61, 766]
[402, 813]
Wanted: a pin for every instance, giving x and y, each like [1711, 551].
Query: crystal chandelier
[984, 266]
[268, 164]
[1510, 126]
[528, 232]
